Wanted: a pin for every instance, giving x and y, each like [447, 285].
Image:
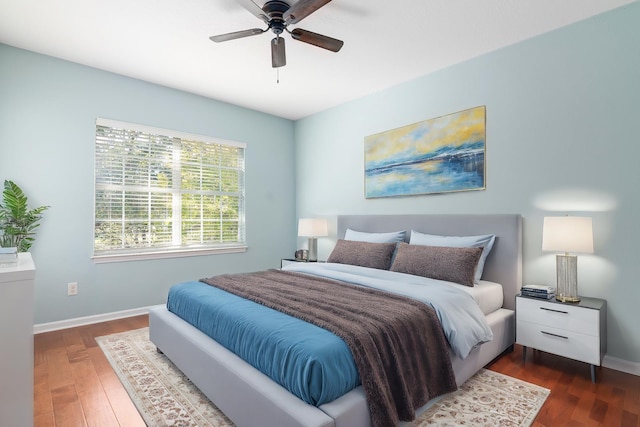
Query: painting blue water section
[462, 170]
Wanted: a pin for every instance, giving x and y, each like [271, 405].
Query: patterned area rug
[165, 397]
[487, 399]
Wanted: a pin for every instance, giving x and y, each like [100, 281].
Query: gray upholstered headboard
[504, 263]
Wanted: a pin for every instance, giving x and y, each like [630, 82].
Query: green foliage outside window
[155, 191]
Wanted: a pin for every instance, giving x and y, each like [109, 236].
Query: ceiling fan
[278, 15]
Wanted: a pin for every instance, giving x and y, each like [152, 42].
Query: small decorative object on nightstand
[538, 291]
[577, 331]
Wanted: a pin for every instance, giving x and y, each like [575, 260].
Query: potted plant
[17, 222]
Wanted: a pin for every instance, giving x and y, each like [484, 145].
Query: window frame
[171, 251]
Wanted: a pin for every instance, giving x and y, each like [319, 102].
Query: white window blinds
[158, 190]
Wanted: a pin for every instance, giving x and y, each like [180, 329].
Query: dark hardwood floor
[614, 400]
[75, 385]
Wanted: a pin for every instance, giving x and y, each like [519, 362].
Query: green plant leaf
[17, 222]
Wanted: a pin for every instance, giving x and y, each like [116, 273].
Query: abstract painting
[438, 155]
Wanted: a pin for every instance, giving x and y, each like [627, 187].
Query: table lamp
[567, 234]
[312, 228]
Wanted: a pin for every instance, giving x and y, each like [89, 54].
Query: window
[161, 193]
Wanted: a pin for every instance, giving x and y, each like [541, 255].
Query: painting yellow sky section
[427, 136]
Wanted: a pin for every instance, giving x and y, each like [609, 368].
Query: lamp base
[567, 299]
[567, 276]
[313, 250]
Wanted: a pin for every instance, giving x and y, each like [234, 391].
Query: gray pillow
[363, 254]
[456, 265]
[485, 241]
[363, 236]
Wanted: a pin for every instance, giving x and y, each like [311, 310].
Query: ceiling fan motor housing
[275, 9]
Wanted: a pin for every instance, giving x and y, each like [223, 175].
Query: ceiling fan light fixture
[278, 54]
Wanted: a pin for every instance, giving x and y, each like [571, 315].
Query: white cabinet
[573, 330]
[16, 342]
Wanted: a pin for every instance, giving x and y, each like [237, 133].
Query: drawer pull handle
[555, 311]
[554, 335]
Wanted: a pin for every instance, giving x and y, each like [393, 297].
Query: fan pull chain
[278, 75]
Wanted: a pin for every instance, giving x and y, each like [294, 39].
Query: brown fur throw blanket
[397, 343]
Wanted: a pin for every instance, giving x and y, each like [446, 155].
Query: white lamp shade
[567, 234]
[312, 227]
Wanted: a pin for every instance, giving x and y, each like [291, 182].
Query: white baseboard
[88, 320]
[621, 365]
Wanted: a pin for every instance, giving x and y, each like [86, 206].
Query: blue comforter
[310, 362]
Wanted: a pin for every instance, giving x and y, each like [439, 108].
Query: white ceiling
[386, 43]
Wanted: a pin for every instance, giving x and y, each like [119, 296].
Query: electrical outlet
[72, 288]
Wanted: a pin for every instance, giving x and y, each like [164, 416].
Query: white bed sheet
[463, 322]
[488, 295]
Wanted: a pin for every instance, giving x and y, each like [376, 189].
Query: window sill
[103, 259]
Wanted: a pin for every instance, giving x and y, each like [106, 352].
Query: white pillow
[361, 236]
[486, 241]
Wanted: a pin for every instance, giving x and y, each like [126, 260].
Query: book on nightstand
[538, 291]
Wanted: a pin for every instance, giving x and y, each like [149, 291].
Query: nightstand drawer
[585, 348]
[560, 316]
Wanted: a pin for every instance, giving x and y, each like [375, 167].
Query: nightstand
[287, 261]
[574, 330]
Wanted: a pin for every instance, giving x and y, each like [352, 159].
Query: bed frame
[250, 398]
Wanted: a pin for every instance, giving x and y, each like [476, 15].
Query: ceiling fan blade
[236, 35]
[254, 9]
[278, 56]
[301, 10]
[316, 39]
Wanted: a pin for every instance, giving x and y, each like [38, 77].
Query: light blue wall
[562, 137]
[48, 109]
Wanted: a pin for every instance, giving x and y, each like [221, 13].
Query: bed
[250, 398]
